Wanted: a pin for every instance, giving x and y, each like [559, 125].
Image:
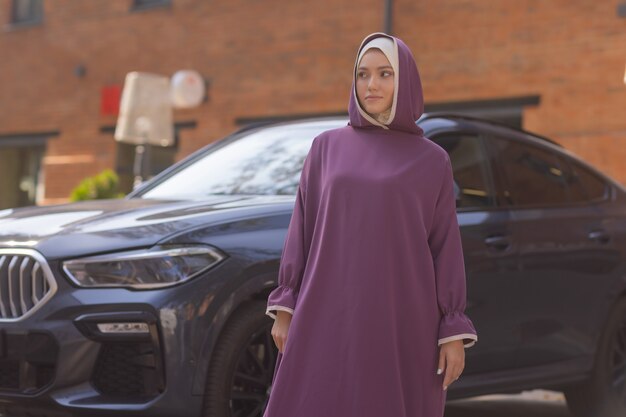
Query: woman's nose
[373, 83]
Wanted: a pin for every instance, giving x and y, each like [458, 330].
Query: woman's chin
[373, 111]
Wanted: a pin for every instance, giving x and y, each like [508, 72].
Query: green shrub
[100, 186]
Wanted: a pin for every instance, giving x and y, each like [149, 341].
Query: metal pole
[388, 17]
[138, 165]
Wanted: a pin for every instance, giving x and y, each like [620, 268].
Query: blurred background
[554, 67]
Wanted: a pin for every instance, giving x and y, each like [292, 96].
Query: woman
[369, 310]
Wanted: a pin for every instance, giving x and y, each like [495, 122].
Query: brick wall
[271, 57]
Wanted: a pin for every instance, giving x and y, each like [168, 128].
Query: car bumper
[59, 362]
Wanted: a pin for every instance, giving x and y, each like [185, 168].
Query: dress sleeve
[445, 245]
[295, 249]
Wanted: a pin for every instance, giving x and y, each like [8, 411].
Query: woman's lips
[372, 98]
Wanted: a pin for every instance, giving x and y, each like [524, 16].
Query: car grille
[127, 369]
[9, 375]
[28, 361]
[26, 283]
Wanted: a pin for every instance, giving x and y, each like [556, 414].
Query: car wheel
[604, 393]
[241, 369]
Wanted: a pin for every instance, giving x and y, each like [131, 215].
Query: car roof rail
[452, 115]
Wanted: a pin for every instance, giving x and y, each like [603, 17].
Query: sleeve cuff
[469, 339]
[284, 296]
[275, 308]
[456, 325]
[281, 298]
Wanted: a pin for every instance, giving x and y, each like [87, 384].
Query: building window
[149, 4]
[26, 12]
[508, 111]
[21, 172]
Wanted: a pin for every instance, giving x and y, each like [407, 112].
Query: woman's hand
[281, 328]
[452, 359]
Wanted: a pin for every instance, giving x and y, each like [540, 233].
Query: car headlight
[157, 267]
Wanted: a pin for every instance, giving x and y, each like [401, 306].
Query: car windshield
[264, 162]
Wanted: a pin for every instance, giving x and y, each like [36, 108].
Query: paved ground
[536, 403]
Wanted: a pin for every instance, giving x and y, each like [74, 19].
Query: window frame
[137, 6]
[36, 18]
[37, 142]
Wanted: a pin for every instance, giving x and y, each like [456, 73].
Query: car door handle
[499, 242]
[600, 235]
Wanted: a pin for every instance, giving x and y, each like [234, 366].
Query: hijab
[408, 102]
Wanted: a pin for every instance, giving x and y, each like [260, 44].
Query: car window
[584, 185]
[267, 162]
[532, 175]
[471, 170]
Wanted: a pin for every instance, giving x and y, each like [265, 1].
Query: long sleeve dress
[372, 271]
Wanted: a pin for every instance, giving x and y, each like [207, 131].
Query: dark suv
[154, 304]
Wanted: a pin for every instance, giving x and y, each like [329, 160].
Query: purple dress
[372, 270]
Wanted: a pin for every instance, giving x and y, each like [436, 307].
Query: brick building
[554, 67]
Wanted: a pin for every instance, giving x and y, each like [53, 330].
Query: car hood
[94, 226]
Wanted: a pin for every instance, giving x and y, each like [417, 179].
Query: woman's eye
[361, 74]
[388, 73]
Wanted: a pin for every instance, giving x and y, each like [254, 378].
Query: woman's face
[374, 82]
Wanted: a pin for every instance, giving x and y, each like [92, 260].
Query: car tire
[604, 393]
[241, 368]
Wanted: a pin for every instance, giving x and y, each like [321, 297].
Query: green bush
[100, 186]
